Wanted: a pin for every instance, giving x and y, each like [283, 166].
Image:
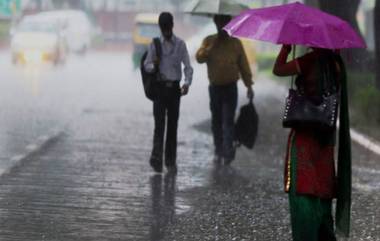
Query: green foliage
[4, 30]
[364, 100]
[362, 91]
[367, 102]
[266, 61]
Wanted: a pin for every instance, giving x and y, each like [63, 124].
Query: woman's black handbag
[316, 112]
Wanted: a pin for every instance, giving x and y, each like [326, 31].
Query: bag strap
[293, 77]
[157, 46]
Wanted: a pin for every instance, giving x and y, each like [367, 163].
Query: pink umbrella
[295, 23]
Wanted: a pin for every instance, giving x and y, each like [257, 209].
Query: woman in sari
[310, 178]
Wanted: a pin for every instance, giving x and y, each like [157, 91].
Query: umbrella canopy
[295, 23]
[211, 7]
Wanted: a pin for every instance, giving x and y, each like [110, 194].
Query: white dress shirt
[174, 53]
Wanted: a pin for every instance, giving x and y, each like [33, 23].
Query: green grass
[4, 30]
[265, 61]
[364, 101]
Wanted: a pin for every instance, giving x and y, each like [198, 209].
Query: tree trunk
[346, 10]
[377, 41]
[313, 3]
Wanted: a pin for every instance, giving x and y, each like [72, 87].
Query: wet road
[91, 179]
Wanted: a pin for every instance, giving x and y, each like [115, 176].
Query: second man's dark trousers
[166, 115]
[223, 102]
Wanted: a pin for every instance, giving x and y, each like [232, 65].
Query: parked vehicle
[35, 40]
[145, 29]
[75, 25]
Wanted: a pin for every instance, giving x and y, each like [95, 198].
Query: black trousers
[166, 114]
[223, 103]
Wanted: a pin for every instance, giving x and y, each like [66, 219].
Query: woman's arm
[284, 68]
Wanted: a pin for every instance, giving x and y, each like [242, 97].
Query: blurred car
[35, 40]
[75, 25]
[145, 29]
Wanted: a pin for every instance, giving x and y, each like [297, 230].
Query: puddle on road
[181, 206]
[366, 179]
[367, 187]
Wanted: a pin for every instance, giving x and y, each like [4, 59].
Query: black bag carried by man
[150, 79]
[246, 126]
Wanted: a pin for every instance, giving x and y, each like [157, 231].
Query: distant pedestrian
[226, 62]
[166, 107]
[310, 178]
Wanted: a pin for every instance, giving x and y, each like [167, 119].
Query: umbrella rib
[236, 27]
[328, 40]
[283, 23]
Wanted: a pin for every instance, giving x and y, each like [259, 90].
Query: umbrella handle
[293, 56]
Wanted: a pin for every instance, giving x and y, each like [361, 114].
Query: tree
[346, 10]
[377, 41]
[313, 3]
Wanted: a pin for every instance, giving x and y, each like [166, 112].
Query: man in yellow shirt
[226, 63]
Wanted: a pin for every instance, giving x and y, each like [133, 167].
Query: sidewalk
[246, 201]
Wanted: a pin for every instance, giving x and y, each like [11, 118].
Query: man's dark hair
[165, 20]
[222, 18]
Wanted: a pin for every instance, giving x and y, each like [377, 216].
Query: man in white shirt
[166, 107]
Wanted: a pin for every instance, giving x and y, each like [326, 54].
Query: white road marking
[43, 138]
[367, 170]
[17, 158]
[31, 147]
[365, 141]
[366, 187]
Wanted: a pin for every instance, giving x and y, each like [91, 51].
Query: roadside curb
[34, 148]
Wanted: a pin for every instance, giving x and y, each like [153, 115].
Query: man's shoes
[156, 165]
[172, 169]
[229, 156]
